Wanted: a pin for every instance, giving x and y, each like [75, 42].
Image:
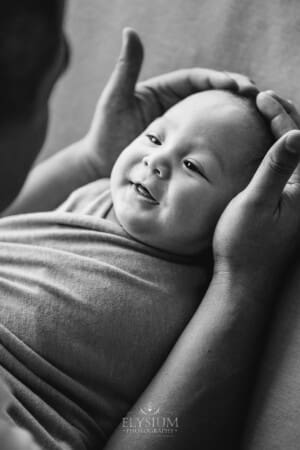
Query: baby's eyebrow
[169, 122]
[208, 146]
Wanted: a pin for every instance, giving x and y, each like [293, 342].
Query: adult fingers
[184, 82]
[127, 69]
[281, 122]
[272, 175]
[288, 106]
[245, 84]
[172, 87]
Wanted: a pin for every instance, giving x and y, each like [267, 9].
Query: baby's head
[171, 184]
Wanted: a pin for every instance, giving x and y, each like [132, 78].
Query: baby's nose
[157, 165]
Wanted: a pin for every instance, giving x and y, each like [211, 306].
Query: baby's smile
[144, 192]
[171, 184]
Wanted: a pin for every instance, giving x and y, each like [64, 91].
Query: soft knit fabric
[87, 316]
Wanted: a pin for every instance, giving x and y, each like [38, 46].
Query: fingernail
[293, 141]
[269, 103]
[270, 92]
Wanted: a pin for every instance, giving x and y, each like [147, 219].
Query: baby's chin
[137, 232]
[160, 242]
[147, 229]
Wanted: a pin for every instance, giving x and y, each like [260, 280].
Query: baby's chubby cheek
[122, 170]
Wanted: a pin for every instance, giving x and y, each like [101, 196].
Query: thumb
[127, 69]
[272, 175]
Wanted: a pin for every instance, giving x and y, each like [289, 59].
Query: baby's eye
[154, 139]
[191, 166]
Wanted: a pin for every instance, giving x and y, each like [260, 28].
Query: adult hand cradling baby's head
[259, 229]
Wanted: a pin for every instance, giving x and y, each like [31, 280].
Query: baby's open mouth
[144, 192]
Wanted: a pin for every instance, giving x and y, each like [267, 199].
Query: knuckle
[270, 104]
[284, 121]
[281, 124]
[249, 200]
[279, 167]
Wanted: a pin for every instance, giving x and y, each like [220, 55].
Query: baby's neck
[204, 257]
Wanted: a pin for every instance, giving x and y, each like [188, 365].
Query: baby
[170, 186]
[95, 294]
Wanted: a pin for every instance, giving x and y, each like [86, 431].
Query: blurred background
[237, 35]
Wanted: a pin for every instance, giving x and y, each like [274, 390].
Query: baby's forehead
[208, 113]
[228, 123]
[208, 105]
[215, 96]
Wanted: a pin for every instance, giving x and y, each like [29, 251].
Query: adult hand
[260, 227]
[126, 108]
[282, 115]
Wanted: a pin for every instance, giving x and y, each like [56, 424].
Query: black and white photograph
[150, 225]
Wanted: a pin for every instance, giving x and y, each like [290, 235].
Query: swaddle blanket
[87, 316]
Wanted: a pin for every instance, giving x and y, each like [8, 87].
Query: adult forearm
[205, 380]
[51, 181]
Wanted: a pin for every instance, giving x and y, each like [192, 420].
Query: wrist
[88, 161]
[99, 156]
[258, 284]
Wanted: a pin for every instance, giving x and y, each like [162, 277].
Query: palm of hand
[119, 119]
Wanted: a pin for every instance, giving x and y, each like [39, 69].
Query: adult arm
[123, 111]
[205, 380]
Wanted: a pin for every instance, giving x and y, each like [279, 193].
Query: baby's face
[171, 184]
